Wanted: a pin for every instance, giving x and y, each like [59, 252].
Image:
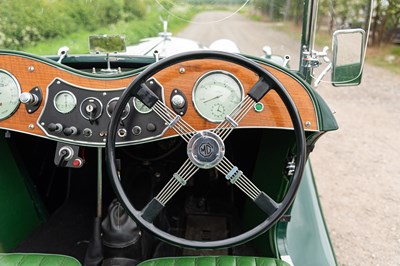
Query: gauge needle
[213, 98]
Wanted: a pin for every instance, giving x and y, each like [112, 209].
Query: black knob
[68, 131]
[55, 127]
[151, 127]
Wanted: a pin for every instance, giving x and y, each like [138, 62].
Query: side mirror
[107, 43]
[348, 57]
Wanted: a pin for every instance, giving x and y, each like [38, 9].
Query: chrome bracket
[234, 175]
[174, 121]
[231, 121]
[179, 179]
[311, 59]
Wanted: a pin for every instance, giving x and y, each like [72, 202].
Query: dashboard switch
[70, 131]
[77, 163]
[151, 127]
[178, 101]
[87, 132]
[29, 98]
[136, 130]
[122, 132]
[55, 127]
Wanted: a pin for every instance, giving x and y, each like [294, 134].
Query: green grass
[134, 30]
[386, 56]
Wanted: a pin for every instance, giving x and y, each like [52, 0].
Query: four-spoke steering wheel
[206, 149]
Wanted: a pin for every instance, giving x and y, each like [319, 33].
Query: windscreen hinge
[311, 59]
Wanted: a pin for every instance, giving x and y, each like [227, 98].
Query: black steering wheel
[211, 141]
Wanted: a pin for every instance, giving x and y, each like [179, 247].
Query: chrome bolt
[31, 126]
[182, 70]
[308, 123]
[31, 68]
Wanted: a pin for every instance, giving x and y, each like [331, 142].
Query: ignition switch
[91, 109]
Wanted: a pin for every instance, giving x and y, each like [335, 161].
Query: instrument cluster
[81, 115]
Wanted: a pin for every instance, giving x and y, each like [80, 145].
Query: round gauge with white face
[65, 102]
[140, 107]
[9, 94]
[216, 94]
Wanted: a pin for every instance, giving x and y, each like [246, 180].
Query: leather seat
[27, 259]
[214, 261]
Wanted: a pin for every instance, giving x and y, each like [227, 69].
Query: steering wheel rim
[300, 158]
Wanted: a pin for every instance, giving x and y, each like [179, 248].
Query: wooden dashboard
[30, 72]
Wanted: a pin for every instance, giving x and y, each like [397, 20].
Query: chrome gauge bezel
[206, 75]
[98, 113]
[128, 108]
[18, 88]
[74, 101]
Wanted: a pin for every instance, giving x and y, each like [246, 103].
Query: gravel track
[356, 166]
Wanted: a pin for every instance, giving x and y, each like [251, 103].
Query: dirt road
[356, 167]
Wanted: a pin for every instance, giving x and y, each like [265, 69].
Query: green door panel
[18, 216]
[307, 240]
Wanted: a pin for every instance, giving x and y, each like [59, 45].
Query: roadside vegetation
[70, 22]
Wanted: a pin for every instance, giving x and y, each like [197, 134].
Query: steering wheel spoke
[174, 121]
[236, 177]
[256, 93]
[178, 180]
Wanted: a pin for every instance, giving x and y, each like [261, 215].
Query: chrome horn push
[205, 149]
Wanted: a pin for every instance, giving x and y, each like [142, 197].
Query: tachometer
[64, 102]
[9, 94]
[216, 94]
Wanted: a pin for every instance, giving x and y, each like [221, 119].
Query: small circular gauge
[111, 106]
[9, 94]
[140, 107]
[216, 94]
[64, 102]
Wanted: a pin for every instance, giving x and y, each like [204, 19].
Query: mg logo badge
[206, 149]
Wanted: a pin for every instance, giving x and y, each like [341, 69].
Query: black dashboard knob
[70, 131]
[55, 127]
[151, 127]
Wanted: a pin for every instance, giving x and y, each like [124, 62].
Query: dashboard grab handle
[259, 89]
[146, 95]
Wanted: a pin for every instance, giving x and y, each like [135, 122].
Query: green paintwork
[305, 238]
[18, 214]
[347, 75]
[21, 259]
[214, 261]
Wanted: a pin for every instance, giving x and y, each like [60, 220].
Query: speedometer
[216, 94]
[9, 94]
